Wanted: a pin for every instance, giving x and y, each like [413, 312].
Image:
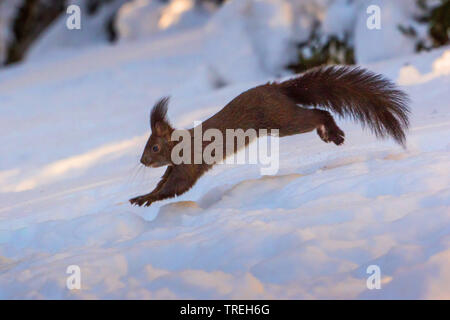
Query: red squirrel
[350, 92]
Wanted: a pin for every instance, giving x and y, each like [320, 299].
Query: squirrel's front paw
[141, 200]
[137, 201]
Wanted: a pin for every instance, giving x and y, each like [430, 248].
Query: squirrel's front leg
[179, 181]
[142, 199]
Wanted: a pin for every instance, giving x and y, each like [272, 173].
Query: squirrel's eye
[155, 148]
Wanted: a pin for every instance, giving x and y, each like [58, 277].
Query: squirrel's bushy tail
[360, 94]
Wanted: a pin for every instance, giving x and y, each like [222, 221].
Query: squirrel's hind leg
[328, 131]
[304, 120]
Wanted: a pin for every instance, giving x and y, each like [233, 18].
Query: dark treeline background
[32, 17]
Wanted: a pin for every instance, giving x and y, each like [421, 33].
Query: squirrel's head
[157, 152]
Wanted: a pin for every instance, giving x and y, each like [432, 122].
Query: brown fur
[353, 92]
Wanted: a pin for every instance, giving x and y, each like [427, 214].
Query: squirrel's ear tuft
[158, 116]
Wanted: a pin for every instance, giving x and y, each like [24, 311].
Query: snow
[60, 38]
[138, 19]
[340, 18]
[371, 45]
[409, 75]
[388, 42]
[72, 129]
[144, 19]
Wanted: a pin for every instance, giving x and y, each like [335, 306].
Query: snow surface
[72, 129]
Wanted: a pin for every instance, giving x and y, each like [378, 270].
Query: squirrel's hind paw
[331, 134]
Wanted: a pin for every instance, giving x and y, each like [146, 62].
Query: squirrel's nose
[145, 160]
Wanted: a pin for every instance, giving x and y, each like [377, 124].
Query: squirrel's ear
[158, 121]
[161, 129]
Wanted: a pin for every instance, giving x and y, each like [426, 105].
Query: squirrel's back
[352, 92]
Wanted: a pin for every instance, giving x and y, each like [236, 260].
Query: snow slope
[71, 133]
